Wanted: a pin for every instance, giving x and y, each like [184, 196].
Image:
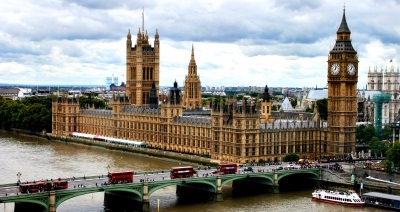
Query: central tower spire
[192, 94]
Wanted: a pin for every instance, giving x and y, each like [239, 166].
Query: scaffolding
[379, 99]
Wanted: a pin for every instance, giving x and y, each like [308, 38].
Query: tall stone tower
[192, 95]
[342, 93]
[142, 67]
[266, 107]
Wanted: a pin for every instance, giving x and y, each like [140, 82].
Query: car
[248, 169]
[290, 166]
[279, 168]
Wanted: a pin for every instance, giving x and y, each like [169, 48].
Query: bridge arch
[231, 178]
[312, 172]
[66, 195]
[155, 187]
[42, 202]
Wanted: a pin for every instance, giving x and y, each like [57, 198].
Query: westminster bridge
[147, 183]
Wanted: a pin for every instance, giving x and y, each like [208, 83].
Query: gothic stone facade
[230, 131]
[227, 133]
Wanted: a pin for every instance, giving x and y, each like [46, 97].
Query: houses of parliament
[229, 130]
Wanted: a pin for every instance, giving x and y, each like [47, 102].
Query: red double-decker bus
[40, 186]
[228, 168]
[59, 184]
[32, 187]
[120, 177]
[182, 172]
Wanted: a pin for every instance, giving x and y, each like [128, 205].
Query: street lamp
[108, 168]
[19, 176]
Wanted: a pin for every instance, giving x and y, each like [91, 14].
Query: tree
[85, 102]
[31, 113]
[308, 110]
[387, 133]
[388, 165]
[393, 154]
[291, 157]
[364, 133]
[377, 147]
[293, 102]
[322, 106]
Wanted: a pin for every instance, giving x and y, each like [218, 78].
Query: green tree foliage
[274, 108]
[31, 113]
[293, 102]
[393, 154]
[34, 117]
[364, 133]
[254, 94]
[85, 102]
[387, 133]
[9, 113]
[308, 110]
[378, 147]
[291, 157]
[388, 166]
[322, 106]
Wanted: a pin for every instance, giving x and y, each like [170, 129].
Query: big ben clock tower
[342, 96]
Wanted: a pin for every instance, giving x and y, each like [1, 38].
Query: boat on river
[382, 200]
[349, 198]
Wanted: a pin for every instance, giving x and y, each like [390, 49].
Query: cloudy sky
[282, 43]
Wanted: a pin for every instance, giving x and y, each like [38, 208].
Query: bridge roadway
[146, 183]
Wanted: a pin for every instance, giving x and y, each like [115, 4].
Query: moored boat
[349, 198]
[382, 200]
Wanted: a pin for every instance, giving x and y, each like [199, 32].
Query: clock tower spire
[342, 93]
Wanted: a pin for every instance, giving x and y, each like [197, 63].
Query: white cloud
[237, 43]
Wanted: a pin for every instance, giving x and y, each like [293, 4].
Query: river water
[39, 159]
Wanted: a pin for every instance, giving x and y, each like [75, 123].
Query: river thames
[38, 159]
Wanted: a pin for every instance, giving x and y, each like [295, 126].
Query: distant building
[387, 82]
[10, 93]
[120, 88]
[111, 80]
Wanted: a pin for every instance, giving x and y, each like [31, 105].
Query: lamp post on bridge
[19, 177]
[108, 168]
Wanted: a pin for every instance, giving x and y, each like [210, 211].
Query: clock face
[351, 69]
[335, 68]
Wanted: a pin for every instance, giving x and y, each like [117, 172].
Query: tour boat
[349, 198]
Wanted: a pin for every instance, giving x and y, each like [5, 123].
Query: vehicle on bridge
[40, 186]
[32, 187]
[182, 172]
[57, 185]
[228, 168]
[120, 177]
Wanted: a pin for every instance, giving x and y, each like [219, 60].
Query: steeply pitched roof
[286, 105]
[343, 26]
